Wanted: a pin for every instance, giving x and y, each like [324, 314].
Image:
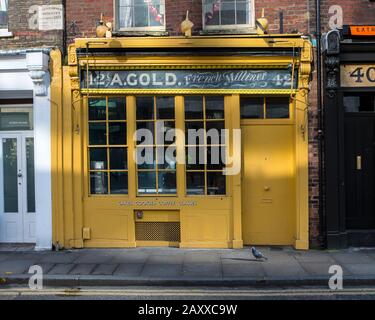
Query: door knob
[267, 188]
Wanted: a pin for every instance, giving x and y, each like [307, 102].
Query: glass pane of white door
[30, 172]
[10, 174]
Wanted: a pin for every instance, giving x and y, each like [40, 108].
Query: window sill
[234, 31]
[5, 33]
[138, 33]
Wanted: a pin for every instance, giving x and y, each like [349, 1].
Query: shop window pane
[97, 109]
[98, 159]
[117, 133]
[145, 108]
[215, 158]
[30, 175]
[228, 13]
[195, 183]
[194, 107]
[194, 132]
[15, 119]
[117, 109]
[195, 158]
[146, 158]
[215, 132]
[10, 179]
[167, 157]
[145, 133]
[165, 133]
[214, 107]
[360, 102]
[97, 134]
[147, 182]
[216, 184]
[277, 108]
[119, 183]
[99, 183]
[167, 183]
[118, 158]
[252, 108]
[165, 108]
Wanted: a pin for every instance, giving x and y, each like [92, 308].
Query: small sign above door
[358, 75]
[188, 79]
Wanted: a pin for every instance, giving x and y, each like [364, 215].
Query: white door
[17, 188]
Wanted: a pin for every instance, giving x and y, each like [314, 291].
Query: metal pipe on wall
[322, 224]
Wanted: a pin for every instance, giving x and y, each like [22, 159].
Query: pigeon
[257, 254]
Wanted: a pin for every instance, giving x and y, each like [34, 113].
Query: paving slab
[60, 257]
[243, 270]
[320, 268]
[104, 269]
[46, 267]
[166, 259]
[202, 270]
[61, 269]
[352, 257]
[130, 258]
[206, 257]
[15, 266]
[313, 256]
[162, 271]
[361, 269]
[82, 269]
[129, 269]
[279, 269]
[95, 257]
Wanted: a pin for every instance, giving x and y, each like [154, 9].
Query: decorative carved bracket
[38, 65]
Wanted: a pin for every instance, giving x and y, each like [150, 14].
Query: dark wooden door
[360, 173]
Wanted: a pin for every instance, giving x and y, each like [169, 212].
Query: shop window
[108, 147]
[141, 15]
[205, 145]
[265, 108]
[228, 14]
[359, 102]
[156, 145]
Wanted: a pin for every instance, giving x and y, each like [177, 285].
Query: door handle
[359, 163]
[19, 175]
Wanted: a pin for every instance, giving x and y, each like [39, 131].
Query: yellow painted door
[268, 180]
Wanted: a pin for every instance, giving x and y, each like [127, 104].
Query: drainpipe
[322, 218]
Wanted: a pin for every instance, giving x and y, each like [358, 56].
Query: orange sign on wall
[362, 30]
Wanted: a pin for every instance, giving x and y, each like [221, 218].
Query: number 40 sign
[358, 75]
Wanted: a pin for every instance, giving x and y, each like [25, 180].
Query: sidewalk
[176, 267]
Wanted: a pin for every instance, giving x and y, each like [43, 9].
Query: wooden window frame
[155, 146]
[107, 146]
[116, 9]
[242, 27]
[205, 171]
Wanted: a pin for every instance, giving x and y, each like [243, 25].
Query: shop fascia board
[286, 41]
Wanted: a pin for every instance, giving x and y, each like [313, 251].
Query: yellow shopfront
[127, 171]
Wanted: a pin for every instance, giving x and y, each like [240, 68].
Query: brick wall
[23, 36]
[82, 16]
